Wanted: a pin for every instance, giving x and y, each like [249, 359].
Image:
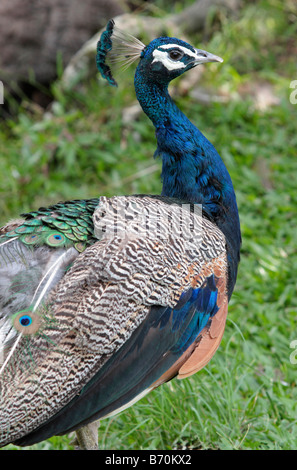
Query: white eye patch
[162, 56]
[181, 48]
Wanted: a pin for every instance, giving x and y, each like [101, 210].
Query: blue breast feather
[151, 350]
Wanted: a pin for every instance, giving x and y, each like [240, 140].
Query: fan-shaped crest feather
[116, 49]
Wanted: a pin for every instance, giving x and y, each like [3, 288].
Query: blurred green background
[82, 147]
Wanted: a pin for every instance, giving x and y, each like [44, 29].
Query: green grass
[246, 398]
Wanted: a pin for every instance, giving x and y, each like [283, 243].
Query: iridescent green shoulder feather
[64, 224]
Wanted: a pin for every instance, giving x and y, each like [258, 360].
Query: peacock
[103, 300]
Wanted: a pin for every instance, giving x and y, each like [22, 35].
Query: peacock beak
[204, 57]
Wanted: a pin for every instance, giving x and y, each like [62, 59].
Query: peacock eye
[176, 54]
[25, 320]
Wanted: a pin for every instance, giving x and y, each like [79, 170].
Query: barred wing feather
[130, 313]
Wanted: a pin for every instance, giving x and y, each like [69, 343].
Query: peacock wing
[129, 314]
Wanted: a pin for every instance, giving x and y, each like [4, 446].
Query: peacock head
[166, 58]
[160, 62]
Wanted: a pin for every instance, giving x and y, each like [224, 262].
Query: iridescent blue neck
[192, 169]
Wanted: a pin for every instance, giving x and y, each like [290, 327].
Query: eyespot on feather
[21, 229]
[26, 322]
[30, 239]
[55, 239]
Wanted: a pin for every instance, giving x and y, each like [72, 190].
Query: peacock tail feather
[64, 224]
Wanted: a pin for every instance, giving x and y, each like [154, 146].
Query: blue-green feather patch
[103, 47]
[116, 48]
